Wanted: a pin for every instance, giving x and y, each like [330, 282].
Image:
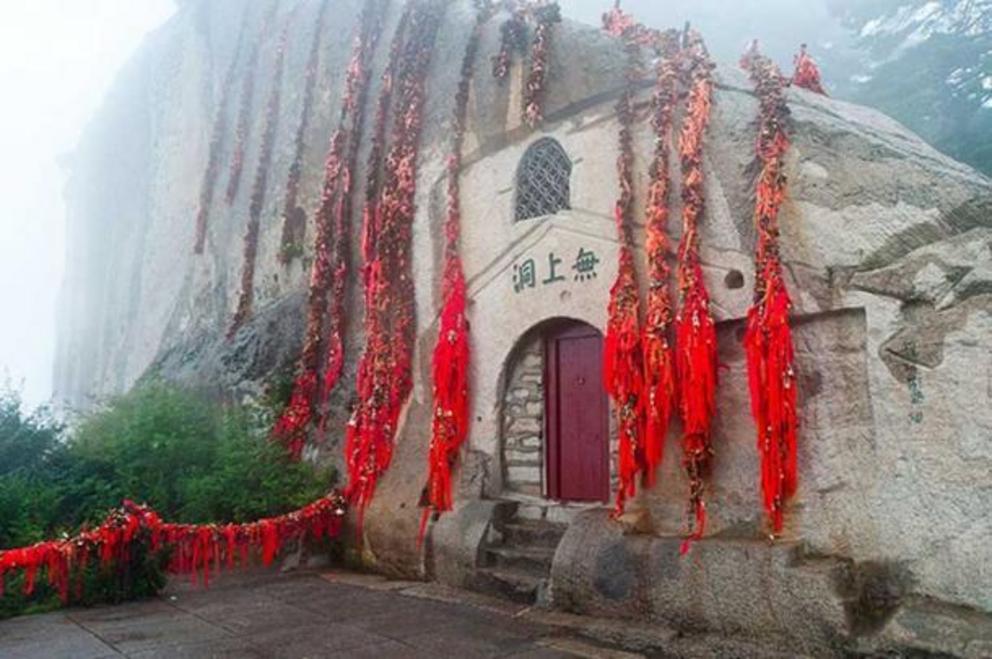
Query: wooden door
[576, 414]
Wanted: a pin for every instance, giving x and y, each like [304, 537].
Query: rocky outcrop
[888, 252]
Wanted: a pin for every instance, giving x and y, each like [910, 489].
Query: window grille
[543, 186]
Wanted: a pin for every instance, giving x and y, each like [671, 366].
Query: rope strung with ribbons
[329, 271]
[250, 250]
[659, 358]
[245, 109]
[694, 328]
[293, 217]
[384, 370]
[195, 549]
[623, 372]
[452, 350]
[768, 338]
[217, 137]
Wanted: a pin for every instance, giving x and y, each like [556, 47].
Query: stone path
[264, 614]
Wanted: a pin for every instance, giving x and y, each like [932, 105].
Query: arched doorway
[556, 429]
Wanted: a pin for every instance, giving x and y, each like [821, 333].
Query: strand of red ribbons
[694, 327]
[623, 368]
[451, 351]
[246, 296]
[385, 368]
[196, 549]
[768, 338]
[245, 109]
[217, 136]
[546, 15]
[293, 217]
[328, 273]
[659, 356]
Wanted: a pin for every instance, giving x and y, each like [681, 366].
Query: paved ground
[264, 614]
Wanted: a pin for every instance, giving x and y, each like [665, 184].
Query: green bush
[192, 460]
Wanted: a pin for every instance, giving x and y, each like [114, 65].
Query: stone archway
[554, 415]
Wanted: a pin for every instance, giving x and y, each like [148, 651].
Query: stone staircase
[516, 557]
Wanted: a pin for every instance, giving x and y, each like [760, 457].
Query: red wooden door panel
[576, 413]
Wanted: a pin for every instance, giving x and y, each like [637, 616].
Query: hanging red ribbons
[807, 73]
[385, 368]
[623, 370]
[329, 272]
[246, 296]
[768, 338]
[694, 328]
[659, 357]
[451, 351]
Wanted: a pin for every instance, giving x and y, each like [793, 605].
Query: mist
[57, 60]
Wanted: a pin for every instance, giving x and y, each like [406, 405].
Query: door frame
[552, 333]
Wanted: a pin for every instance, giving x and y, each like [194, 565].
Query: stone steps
[532, 560]
[532, 533]
[516, 558]
[514, 585]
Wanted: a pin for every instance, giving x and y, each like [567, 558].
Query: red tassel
[768, 339]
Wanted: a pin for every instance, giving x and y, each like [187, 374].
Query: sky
[57, 60]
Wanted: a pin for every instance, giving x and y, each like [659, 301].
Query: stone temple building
[887, 246]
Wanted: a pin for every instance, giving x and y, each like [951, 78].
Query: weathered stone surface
[887, 249]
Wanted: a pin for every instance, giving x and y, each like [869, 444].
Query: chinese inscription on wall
[531, 273]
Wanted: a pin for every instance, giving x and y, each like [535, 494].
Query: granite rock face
[888, 253]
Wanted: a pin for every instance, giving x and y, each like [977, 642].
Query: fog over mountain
[928, 63]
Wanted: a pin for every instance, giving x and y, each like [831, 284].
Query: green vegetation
[190, 459]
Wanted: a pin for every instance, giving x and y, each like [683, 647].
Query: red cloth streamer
[217, 136]
[451, 351]
[768, 339]
[694, 328]
[247, 294]
[623, 370]
[659, 357]
[385, 368]
[807, 73]
[329, 272]
[194, 548]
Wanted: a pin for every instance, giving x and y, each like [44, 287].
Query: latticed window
[543, 180]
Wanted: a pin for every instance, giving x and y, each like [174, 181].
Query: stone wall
[523, 419]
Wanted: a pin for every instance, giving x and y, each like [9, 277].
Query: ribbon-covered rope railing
[694, 328]
[217, 137]
[768, 339]
[195, 549]
[451, 351]
[329, 271]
